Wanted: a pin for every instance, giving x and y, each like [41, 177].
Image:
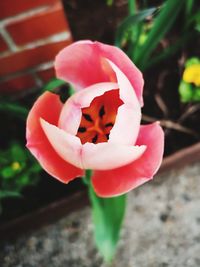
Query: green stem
[87, 177]
[131, 7]
[188, 8]
[107, 214]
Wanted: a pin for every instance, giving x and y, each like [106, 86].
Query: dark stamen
[87, 117]
[107, 136]
[110, 124]
[94, 139]
[101, 112]
[81, 129]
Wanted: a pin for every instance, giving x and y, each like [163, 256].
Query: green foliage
[192, 61]
[196, 95]
[108, 215]
[125, 29]
[197, 21]
[161, 26]
[14, 109]
[18, 169]
[188, 7]
[188, 91]
[132, 6]
[53, 84]
[109, 2]
[140, 36]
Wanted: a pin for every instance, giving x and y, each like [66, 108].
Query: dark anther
[101, 112]
[110, 124]
[107, 136]
[94, 139]
[81, 129]
[87, 117]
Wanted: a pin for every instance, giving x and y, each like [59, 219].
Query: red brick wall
[31, 34]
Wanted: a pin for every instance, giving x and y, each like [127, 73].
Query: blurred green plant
[109, 2]
[13, 109]
[189, 88]
[142, 31]
[196, 19]
[18, 170]
[53, 84]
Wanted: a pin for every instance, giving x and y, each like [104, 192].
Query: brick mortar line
[38, 80]
[32, 71]
[24, 15]
[58, 37]
[8, 39]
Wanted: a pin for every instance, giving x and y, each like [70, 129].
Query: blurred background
[161, 37]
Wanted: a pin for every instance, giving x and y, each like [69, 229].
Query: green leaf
[196, 96]
[53, 84]
[35, 168]
[169, 51]
[161, 26]
[129, 22]
[197, 21]
[192, 61]
[7, 172]
[14, 109]
[18, 153]
[188, 8]
[108, 214]
[132, 6]
[186, 92]
[109, 2]
[4, 194]
[194, 19]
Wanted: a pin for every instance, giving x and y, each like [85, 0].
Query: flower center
[98, 119]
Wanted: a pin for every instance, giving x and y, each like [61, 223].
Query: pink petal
[105, 156]
[127, 124]
[100, 156]
[121, 180]
[81, 64]
[66, 145]
[71, 113]
[48, 106]
[127, 92]
[126, 127]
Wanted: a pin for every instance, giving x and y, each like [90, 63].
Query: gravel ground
[161, 229]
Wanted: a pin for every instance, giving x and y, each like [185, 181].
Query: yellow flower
[192, 74]
[16, 166]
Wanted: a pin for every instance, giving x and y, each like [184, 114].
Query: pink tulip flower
[98, 127]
